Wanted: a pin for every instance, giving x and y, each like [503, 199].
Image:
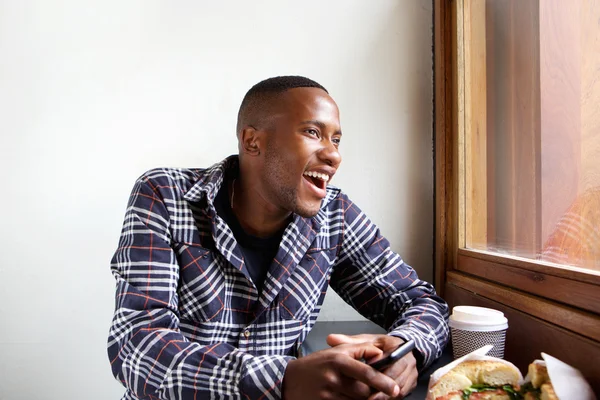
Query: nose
[330, 154]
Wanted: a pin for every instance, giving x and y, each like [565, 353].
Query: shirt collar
[210, 181]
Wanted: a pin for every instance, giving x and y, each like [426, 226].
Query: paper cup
[474, 327]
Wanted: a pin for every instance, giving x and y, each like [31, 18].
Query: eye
[336, 141]
[312, 132]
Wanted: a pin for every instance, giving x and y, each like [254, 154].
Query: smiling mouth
[317, 179]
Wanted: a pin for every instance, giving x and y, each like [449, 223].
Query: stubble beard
[282, 188]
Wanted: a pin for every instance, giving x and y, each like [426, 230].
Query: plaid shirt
[189, 322]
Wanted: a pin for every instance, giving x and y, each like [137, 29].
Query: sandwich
[539, 386]
[477, 376]
[478, 380]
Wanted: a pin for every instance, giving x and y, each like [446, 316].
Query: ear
[251, 141]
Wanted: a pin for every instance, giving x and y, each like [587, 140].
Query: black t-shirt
[258, 252]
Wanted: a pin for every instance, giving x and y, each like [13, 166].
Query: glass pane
[532, 124]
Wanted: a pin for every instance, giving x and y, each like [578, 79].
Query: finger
[354, 389]
[405, 373]
[335, 339]
[332, 394]
[339, 383]
[410, 383]
[340, 396]
[408, 378]
[368, 375]
[398, 371]
[358, 351]
[379, 396]
[403, 365]
[407, 381]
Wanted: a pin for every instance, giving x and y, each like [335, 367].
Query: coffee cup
[474, 327]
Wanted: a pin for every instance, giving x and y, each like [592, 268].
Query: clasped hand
[339, 373]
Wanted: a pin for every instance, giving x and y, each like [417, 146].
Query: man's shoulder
[189, 181]
[169, 177]
[172, 174]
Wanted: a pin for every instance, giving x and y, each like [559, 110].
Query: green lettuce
[528, 388]
[514, 395]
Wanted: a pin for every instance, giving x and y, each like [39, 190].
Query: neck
[256, 216]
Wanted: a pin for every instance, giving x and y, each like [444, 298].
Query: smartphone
[388, 358]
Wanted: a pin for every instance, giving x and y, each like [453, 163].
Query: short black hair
[259, 94]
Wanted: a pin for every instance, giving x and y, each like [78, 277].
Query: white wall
[94, 93]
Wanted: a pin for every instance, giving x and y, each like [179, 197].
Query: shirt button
[246, 333]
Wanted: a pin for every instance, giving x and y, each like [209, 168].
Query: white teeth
[323, 177]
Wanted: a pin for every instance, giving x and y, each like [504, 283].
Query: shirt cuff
[426, 350]
[262, 377]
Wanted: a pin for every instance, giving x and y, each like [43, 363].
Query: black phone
[391, 357]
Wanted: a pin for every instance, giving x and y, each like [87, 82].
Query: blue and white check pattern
[189, 322]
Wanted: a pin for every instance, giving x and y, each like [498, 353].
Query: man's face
[301, 153]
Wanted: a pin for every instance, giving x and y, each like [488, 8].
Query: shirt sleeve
[147, 351]
[376, 281]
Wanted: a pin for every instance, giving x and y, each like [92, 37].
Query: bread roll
[479, 372]
[538, 374]
[548, 392]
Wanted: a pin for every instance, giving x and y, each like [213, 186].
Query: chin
[308, 211]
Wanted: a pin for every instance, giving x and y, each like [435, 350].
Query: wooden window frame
[562, 301]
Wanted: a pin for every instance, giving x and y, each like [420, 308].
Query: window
[532, 130]
[517, 87]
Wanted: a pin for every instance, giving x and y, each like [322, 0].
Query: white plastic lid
[480, 319]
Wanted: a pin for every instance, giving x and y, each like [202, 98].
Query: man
[221, 272]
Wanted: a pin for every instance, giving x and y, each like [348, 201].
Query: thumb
[360, 351]
[336, 339]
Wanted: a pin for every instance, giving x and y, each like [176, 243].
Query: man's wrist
[419, 357]
[285, 380]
